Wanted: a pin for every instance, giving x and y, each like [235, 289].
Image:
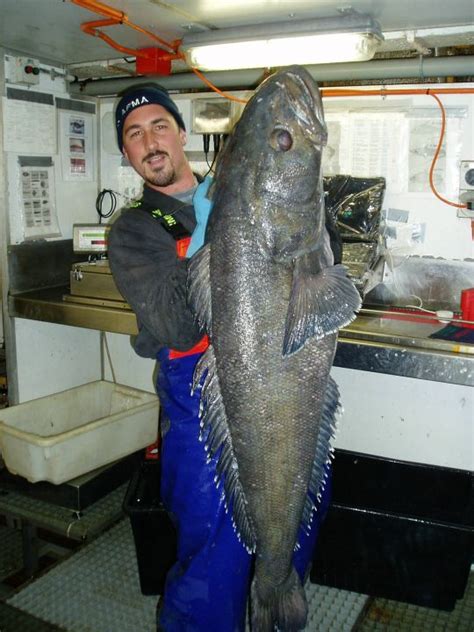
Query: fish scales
[266, 288]
[275, 460]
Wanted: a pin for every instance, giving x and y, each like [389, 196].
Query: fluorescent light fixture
[351, 37]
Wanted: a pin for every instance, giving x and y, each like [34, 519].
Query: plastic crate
[59, 437]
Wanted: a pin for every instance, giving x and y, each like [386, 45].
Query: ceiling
[50, 29]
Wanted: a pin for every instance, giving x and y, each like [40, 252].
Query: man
[206, 590]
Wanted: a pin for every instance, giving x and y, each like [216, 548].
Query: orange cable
[172, 46]
[90, 29]
[100, 9]
[215, 88]
[436, 155]
[348, 92]
[114, 17]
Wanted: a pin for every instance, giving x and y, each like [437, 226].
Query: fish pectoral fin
[218, 442]
[323, 452]
[320, 304]
[199, 286]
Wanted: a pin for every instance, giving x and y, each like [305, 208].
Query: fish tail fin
[284, 606]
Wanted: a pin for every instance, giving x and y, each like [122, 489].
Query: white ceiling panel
[50, 29]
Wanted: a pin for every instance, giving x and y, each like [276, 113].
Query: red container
[467, 306]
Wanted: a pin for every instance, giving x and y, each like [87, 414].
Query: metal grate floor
[333, 610]
[14, 620]
[97, 590]
[384, 614]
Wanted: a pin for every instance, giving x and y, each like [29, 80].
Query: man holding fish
[244, 329]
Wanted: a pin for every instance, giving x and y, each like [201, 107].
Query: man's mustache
[155, 153]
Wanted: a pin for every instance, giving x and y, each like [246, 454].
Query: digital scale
[91, 281]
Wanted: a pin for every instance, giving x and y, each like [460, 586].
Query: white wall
[51, 358]
[406, 418]
[128, 367]
[45, 358]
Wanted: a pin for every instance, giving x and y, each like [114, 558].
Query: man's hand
[202, 208]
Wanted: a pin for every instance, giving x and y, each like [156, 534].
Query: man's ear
[183, 137]
[124, 152]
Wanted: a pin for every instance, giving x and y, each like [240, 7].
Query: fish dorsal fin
[320, 304]
[218, 441]
[323, 453]
[199, 286]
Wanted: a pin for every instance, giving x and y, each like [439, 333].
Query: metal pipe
[420, 68]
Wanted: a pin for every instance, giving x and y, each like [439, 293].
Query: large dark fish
[272, 300]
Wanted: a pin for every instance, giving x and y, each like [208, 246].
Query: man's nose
[150, 140]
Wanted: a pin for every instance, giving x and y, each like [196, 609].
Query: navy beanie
[145, 95]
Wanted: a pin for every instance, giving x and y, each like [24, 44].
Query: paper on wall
[38, 198]
[398, 145]
[29, 127]
[76, 138]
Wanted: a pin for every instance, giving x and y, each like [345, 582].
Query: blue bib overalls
[206, 589]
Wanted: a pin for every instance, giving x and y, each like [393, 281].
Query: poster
[76, 145]
[29, 127]
[398, 145]
[37, 198]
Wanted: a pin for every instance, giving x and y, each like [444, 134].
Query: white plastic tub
[61, 436]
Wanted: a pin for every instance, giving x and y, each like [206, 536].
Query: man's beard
[163, 176]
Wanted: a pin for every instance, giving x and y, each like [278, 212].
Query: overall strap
[163, 209]
[164, 213]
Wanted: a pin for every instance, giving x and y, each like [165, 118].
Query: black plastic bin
[153, 530]
[397, 530]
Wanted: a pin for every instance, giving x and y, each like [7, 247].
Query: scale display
[90, 238]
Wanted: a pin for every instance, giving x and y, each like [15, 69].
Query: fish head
[275, 153]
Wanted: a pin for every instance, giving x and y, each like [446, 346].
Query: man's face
[154, 145]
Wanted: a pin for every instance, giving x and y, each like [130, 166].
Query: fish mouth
[304, 81]
[305, 99]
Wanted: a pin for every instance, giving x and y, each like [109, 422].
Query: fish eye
[281, 139]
